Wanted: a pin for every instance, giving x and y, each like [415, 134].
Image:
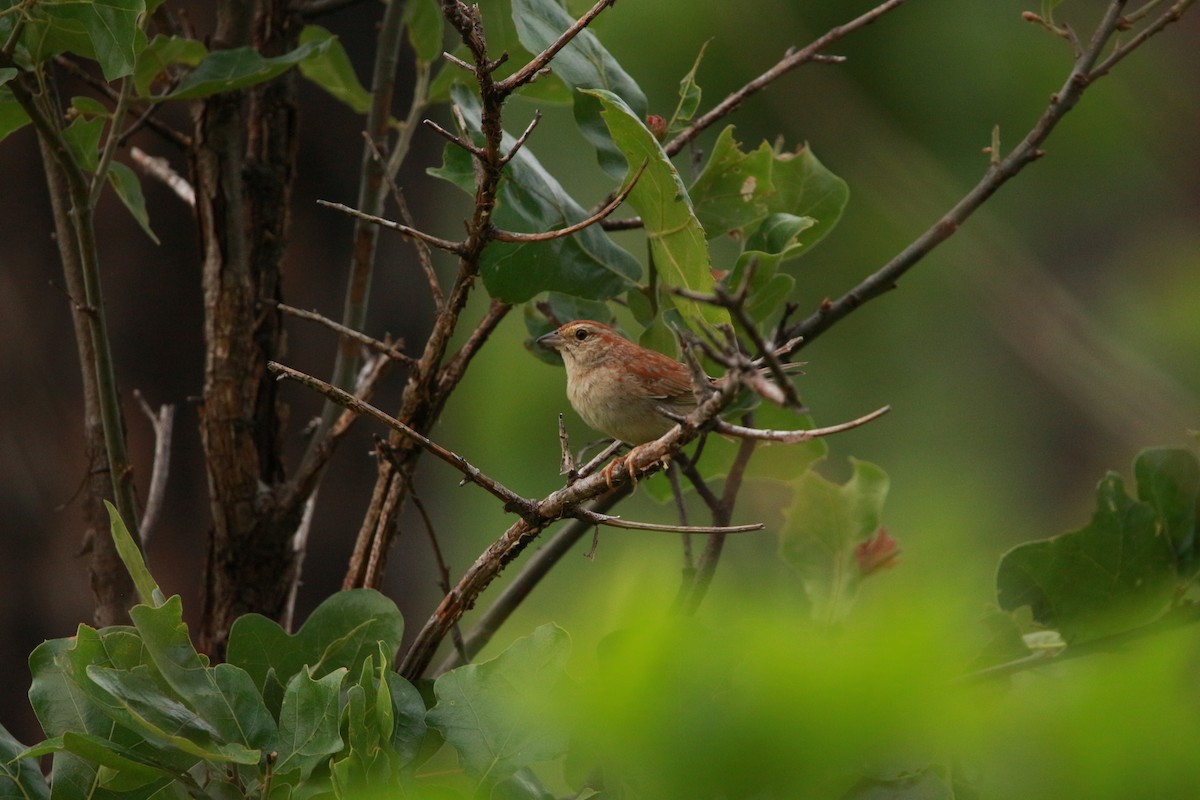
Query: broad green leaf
[586, 264]
[425, 25]
[239, 67]
[89, 106]
[495, 714]
[135, 699]
[131, 557]
[1168, 480]
[331, 69]
[1113, 575]
[7, 74]
[776, 239]
[106, 30]
[20, 777]
[408, 717]
[127, 186]
[739, 192]
[162, 53]
[582, 64]
[677, 244]
[131, 771]
[12, 116]
[308, 721]
[83, 140]
[225, 696]
[824, 524]
[343, 631]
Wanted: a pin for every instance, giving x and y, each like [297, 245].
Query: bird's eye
[581, 334]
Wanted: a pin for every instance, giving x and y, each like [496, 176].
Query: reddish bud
[657, 126]
[876, 554]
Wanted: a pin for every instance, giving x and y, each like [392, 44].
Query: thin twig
[443, 571]
[530, 71]
[524, 137]
[160, 169]
[461, 141]
[617, 522]
[441, 244]
[790, 61]
[559, 233]
[100, 177]
[299, 548]
[566, 464]
[387, 348]
[1169, 16]
[787, 437]
[424, 257]
[1083, 72]
[512, 501]
[163, 423]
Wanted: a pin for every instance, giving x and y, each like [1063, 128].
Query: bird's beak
[551, 341]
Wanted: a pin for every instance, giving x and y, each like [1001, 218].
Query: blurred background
[1047, 342]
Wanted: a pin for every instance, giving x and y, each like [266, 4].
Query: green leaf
[105, 30]
[1168, 480]
[677, 244]
[132, 771]
[20, 778]
[7, 74]
[127, 186]
[738, 191]
[12, 116]
[689, 97]
[239, 67]
[408, 716]
[586, 264]
[308, 721]
[495, 714]
[343, 631]
[83, 140]
[582, 64]
[162, 53]
[331, 69]
[824, 525]
[131, 557]
[425, 26]
[1113, 575]
[135, 699]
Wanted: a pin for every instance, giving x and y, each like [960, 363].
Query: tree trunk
[244, 163]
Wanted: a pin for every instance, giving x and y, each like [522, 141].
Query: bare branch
[530, 71]
[1171, 15]
[524, 137]
[443, 571]
[617, 522]
[387, 348]
[163, 423]
[441, 244]
[461, 141]
[160, 169]
[1083, 72]
[512, 501]
[566, 464]
[793, 437]
[424, 257]
[791, 60]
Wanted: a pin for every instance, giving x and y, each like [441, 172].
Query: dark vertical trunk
[244, 163]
